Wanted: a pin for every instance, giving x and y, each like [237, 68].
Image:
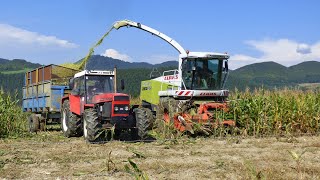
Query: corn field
[276, 112]
[257, 113]
[13, 121]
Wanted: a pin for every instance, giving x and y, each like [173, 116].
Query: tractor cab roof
[94, 72]
[205, 55]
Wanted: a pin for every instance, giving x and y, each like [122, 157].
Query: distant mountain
[97, 62]
[264, 69]
[271, 74]
[309, 66]
[266, 74]
[12, 74]
[168, 64]
[16, 65]
[305, 72]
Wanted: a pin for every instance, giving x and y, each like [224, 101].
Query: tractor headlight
[116, 108]
[126, 108]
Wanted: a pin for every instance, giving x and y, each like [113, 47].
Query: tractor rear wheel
[144, 121]
[71, 124]
[34, 123]
[92, 127]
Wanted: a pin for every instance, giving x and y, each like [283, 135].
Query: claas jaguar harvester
[190, 94]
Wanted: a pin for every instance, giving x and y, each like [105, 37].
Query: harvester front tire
[144, 121]
[34, 123]
[92, 128]
[71, 124]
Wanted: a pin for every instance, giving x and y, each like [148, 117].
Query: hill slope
[12, 74]
[97, 62]
[267, 74]
[271, 74]
[16, 65]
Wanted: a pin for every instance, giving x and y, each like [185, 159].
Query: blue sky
[54, 32]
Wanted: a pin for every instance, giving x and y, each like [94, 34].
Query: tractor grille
[106, 109]
[121, 98]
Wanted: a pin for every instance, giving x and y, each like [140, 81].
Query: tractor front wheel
[34, 123]
[92, 128]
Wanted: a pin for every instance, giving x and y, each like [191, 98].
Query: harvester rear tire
[71, 124]
[167, 107]
[92, 127]
[34, 123]
[144, 122]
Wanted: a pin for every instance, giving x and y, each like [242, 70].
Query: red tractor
[94, 106]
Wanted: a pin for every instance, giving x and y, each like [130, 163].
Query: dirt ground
[48, 155]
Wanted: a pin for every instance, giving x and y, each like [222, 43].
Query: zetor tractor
[94, 106]
[191, 94]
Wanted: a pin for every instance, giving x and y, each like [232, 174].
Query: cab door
[76, 96]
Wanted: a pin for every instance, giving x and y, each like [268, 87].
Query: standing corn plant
[12, 119]
[270, 112]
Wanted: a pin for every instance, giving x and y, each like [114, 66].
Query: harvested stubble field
[48, 155]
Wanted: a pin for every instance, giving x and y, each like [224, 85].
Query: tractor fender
[64, 98]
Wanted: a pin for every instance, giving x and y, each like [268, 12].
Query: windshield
[98, 85]
[202, 74]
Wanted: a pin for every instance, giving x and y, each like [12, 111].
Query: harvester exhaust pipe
[115, 79]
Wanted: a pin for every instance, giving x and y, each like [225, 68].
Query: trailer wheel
[34, 123]
[71, 124]
[92, 128]
[42, 124]
[144, 121]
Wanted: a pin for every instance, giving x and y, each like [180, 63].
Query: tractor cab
[91, 83]
[204, 71]
[97, 89]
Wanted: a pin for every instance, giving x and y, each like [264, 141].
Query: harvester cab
[94, 105]
[208, 72]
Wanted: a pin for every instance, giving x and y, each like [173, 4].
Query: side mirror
[226, 66]
[122, 84]
[75, 92]
[71, 83]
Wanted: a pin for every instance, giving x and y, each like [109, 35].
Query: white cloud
[17, 37]
[303, 49]
[283, 51]
[240, 60]
[116, 55]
